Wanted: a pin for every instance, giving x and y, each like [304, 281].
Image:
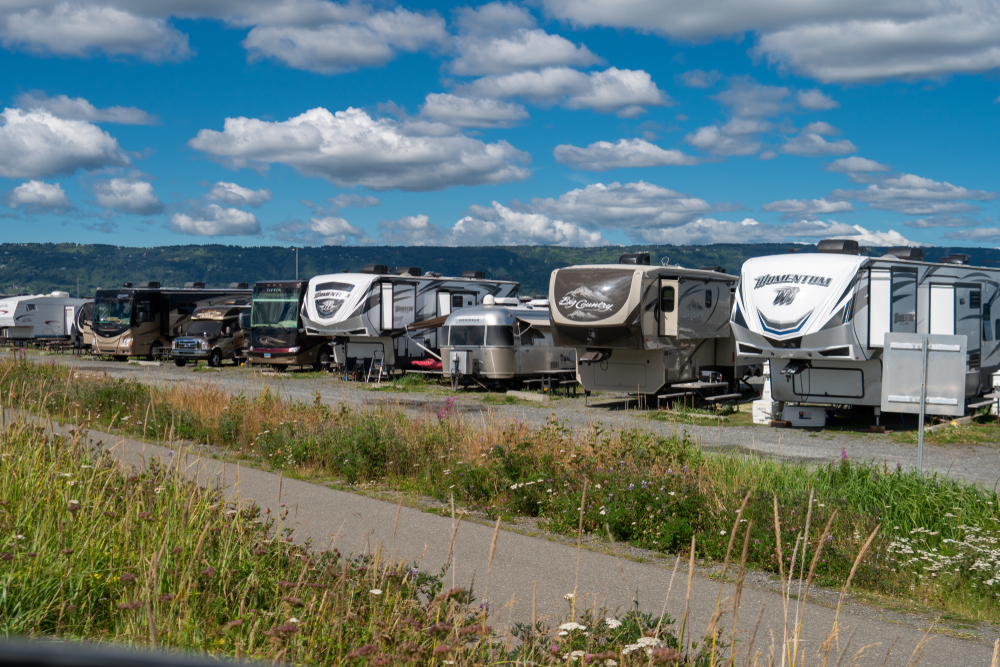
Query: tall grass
[653, 492]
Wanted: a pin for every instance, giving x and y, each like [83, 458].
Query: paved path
[359, 524]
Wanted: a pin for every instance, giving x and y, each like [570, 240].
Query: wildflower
[572, 626]
[294, 620]
[574, 655]
[569, 596]
[376, 591]
[722, 532]
[612, 622]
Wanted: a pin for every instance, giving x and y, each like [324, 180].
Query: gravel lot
[976, 463]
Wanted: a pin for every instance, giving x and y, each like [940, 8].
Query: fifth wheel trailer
[39, 317]
[821, 319]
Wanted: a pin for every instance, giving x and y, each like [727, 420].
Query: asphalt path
[531, 571]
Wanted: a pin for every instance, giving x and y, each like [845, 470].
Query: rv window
[456, 301]
[667, 299]
[708, 298]
[529, 336]
[444, 336]
[987, 311]
[467, 336]
[30, 307]
[500, 336]
[996, 329]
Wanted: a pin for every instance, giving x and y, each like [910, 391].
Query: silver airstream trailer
[502, 341]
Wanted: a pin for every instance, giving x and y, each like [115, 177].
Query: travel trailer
[278, 337]
[639, 328]
[500, 341]
[39, 317]
[821, 319]
[143, 321]
[213, 334]
[366, 314]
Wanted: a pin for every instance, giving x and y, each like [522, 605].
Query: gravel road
[973, 463]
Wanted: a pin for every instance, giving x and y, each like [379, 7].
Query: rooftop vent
[432, 274]
[126, 284]
[915, 254]
[717, 269]
[635, 258]
[150, 284]
[380, 269]
[194, 285]
[474, 275]
[839, 246]
[407, 271]
[955, 259]
[239, 285]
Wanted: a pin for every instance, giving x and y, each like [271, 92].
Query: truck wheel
[180, 363]
[121, 357]
[215, 359]
[322, 359]
[154, 352]
[278, 368]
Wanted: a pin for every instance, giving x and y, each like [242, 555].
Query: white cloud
[358, 201]
[942, 220]
[746, 98]
[38, 196]
[820, 127]
[471, 111]
[848, 165]
[698, 78]
[327, 230]
[214, 220]
[712, 139]
[980, 235]
[235, 195]
[83, 29]
[812, 144]
[78, 108]
[604, 155]
[411, 230]
[338, 46]
[838, 230]
[500, 39]
[36, 144]
[815, 100]
[706, 231]
[503, 226]
[127, 196]
[740, 126]
[621, 91]
[807, 208]
[851, 40]
[351, 148]
[915, 195]
[636, 205]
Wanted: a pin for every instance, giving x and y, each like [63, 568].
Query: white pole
[296, 263]
[923, 406]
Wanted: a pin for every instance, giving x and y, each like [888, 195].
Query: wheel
[180, 363]
[154, 351]
[121, 357]
[322, 359]
[278, 368]
[215, 358]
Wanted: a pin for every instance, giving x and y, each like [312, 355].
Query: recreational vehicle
[366, 313]
[37, 317]
[144, 320]
[639, 328]
[213, 334]
[821, 319]
[83, 336]
[277, 334]
[500, 341]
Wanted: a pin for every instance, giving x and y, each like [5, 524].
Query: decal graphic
[589, 295]
[270, 341]
[330, 297]
[766, 279]
[785, 296]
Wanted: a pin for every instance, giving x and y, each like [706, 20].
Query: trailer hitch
[795, 367]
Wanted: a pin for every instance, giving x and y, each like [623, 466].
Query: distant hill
[43, 267]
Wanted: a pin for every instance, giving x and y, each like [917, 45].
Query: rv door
[943, 309]
[444, 303]
[968, 315]
[668, 307]
[386, 306]
[69, 320]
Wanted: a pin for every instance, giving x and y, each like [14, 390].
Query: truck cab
[215, 333]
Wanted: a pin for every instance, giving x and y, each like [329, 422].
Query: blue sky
[569, 122]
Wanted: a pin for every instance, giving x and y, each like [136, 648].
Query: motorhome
[214, 334]
[501, 341]
[83, 336]
[365, 314]
[277, 333]
[36, 317]
[821, 318]
[143, 321]
[638, 327]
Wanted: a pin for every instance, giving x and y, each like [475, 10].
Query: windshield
[114, 308]
[275, 307]
[466, 335]
[202, 327]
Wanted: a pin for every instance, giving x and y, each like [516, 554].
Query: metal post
[923, 406]
[296, 263]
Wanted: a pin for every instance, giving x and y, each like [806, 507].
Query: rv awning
[432, 323]
[539, 320]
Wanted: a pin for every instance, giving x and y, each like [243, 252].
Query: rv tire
[278, 368]
[154, 352]
[215, 358]
[121, 357]
[180, 363]
[322, 359]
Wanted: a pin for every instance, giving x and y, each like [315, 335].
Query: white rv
[39, 317]
[639, 328]
[366, 314]
[821, 319]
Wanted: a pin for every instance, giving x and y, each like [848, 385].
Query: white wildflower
[376, 591]
[612, 622]
[572, 626]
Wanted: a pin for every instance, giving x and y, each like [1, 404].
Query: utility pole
[296, 263]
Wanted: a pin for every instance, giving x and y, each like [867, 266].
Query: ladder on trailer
[377, 359]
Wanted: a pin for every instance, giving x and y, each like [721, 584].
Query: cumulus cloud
[327, 230]
[980, 235]
[36, 144]
[38, 197]
[848, 165]
[807, 209]
[706, 231]
[942, 220]
[471, 111]
[504, 226]
[127, 196]
[713, 139]
[604, 155]
[62, 106]
[812, 144]
[845, 41]
[698, 78]
[915, 195]
[815, 100]
[351, 148]
[412, 230]
[235, 195]
[499, 38]
[620, 91]
[746, 98]
[213, 220]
